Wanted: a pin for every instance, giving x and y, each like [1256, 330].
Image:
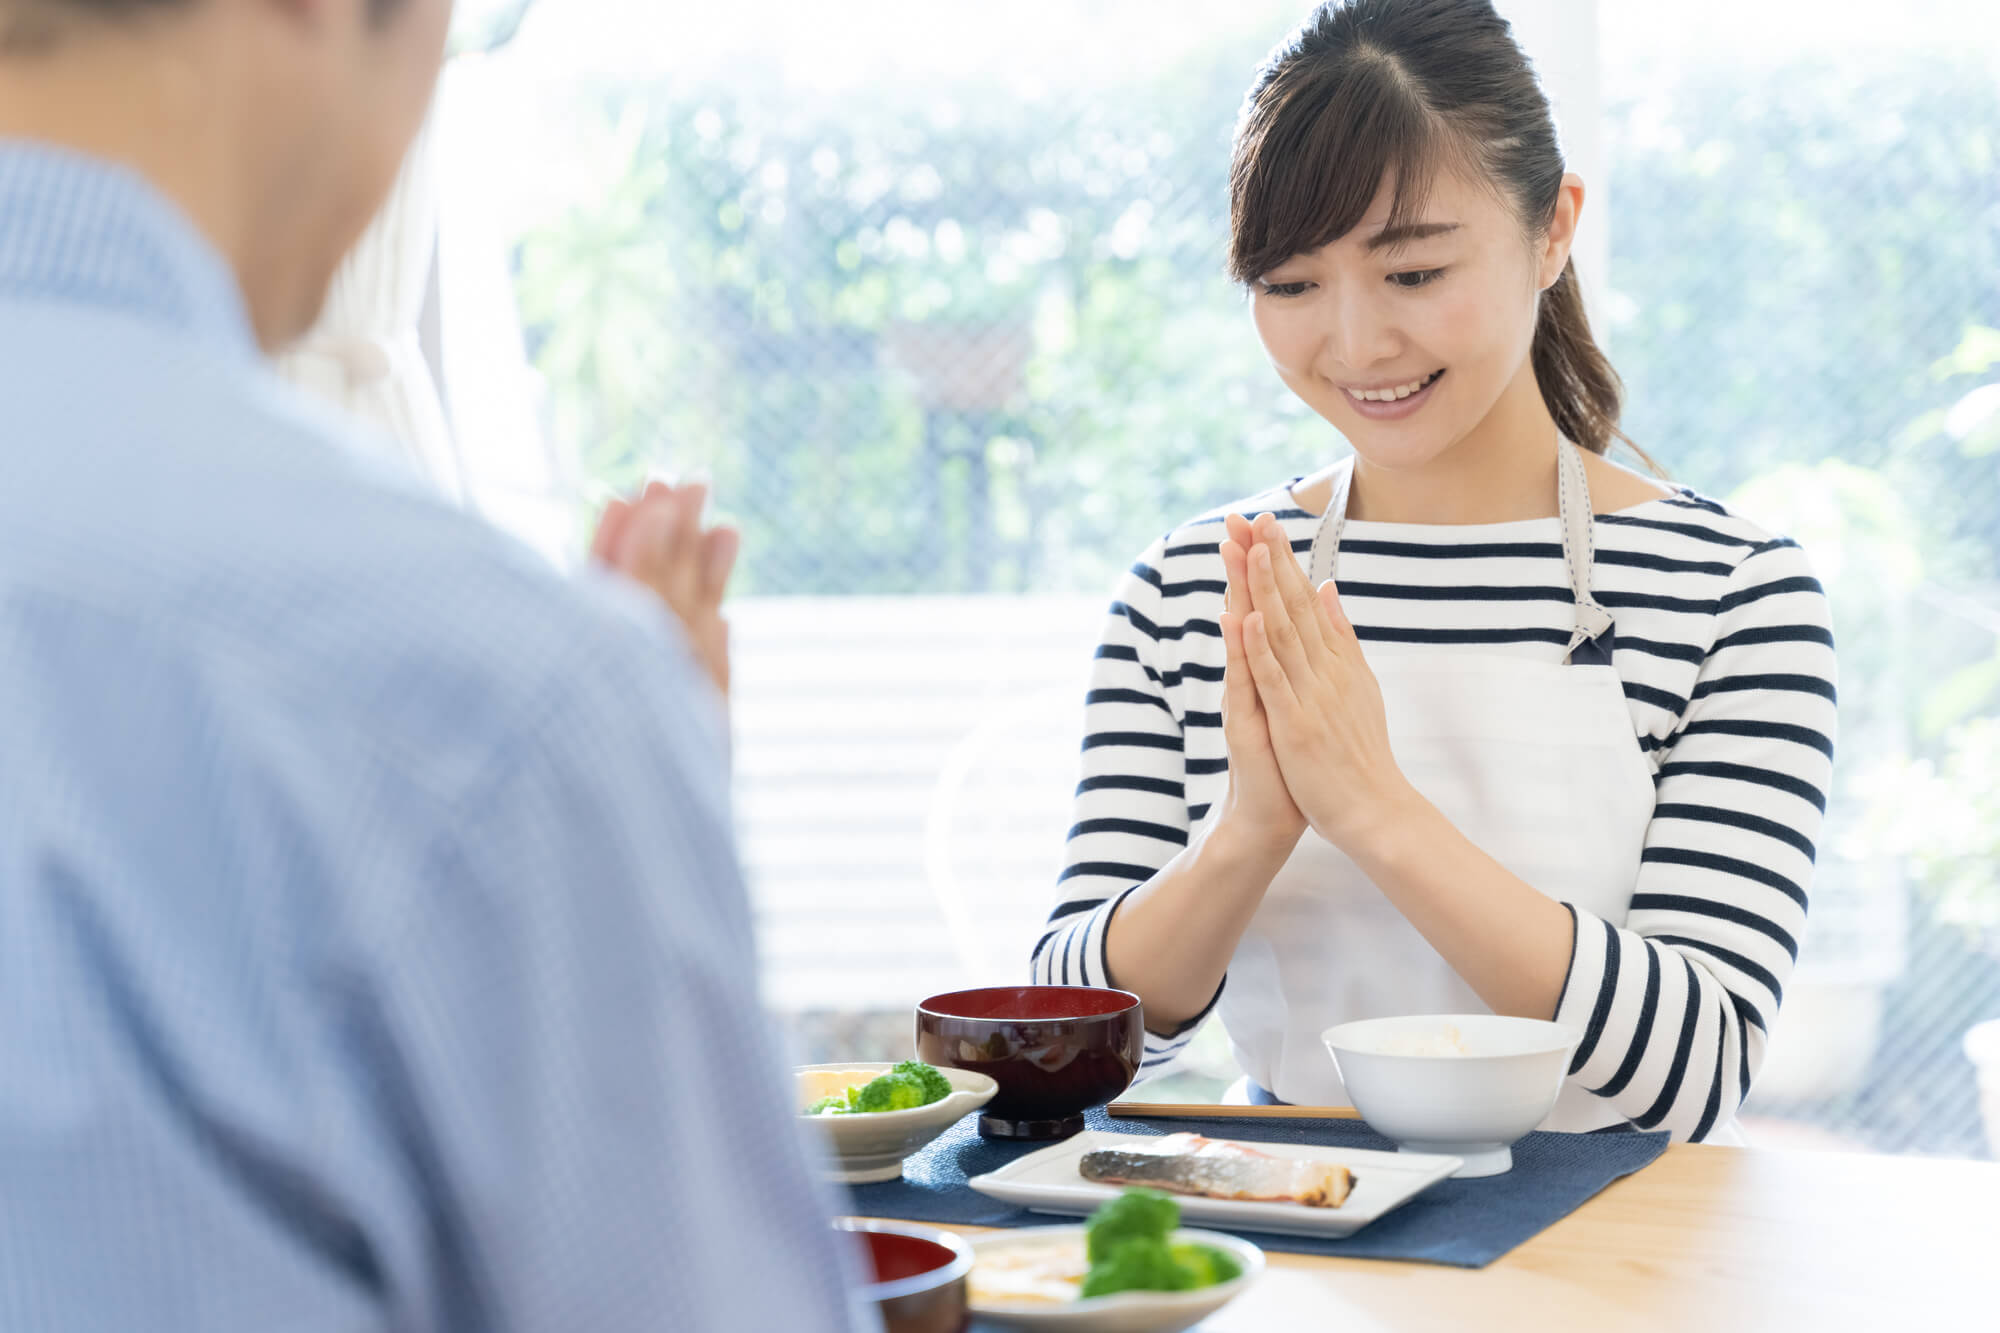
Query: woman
[1528, 732]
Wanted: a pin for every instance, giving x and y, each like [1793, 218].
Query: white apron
[1535, 762]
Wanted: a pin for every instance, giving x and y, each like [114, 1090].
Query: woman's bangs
[1311, 160]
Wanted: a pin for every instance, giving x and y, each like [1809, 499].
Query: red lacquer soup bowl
[1054, 1051]
[917, 1274]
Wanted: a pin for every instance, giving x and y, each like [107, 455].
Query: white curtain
[514, 470]
[365, 355]
[438, 236]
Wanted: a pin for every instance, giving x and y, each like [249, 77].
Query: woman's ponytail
[1582, 391]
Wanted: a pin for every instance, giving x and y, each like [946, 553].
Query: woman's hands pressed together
[1257, 800]
[1321, 708]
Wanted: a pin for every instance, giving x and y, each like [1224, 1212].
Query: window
[935, 295]
[1804, 245]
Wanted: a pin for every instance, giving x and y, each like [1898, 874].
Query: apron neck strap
[1579, 544]
[1579, 539]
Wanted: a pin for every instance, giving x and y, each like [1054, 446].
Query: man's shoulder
[438, 632]
[219, 512]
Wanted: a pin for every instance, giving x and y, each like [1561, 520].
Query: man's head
[277, 125]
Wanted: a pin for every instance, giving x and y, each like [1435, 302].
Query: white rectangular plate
[1050, 1181]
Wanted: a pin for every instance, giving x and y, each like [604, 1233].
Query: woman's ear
[1554, 250]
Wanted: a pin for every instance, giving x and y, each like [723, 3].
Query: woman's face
[1405, 342]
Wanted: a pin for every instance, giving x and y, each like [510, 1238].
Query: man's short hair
[118, 8]
[35, 24]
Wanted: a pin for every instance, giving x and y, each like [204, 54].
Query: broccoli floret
[1206, 1265]
[1136, 1265]
[936, 1086]
[1134, 1215]
[910, 1084]
[890, 1092]
[1128, 1249]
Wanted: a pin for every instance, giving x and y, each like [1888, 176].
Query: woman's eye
[1417, 277]
[1286, 288]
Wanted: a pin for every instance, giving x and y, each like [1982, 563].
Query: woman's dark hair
[1371, 90]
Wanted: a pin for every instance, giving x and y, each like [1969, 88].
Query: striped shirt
[1724, 646]
[373, 953]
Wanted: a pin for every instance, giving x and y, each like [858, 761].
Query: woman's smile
[1393, 402]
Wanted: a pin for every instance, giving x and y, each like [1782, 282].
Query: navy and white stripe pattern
[373, 953]
[1725, 651]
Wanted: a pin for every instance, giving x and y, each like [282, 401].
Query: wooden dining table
[1704, 1240]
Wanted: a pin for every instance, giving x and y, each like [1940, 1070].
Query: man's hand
[657, 539]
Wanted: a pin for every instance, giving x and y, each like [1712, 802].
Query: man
[372, 948]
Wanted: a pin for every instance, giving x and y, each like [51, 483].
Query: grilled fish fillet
[1191, 1164]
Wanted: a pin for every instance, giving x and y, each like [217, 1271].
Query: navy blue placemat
[1466, 1223]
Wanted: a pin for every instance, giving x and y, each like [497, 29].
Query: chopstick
[1203, 1111]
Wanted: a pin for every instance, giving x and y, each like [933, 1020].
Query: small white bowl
[870, 1146]
[1473, 1104]
[1124, 1312]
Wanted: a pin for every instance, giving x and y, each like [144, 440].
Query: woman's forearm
[1170, 941]
[1509, 941]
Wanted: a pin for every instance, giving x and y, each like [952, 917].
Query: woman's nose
[1358, 336]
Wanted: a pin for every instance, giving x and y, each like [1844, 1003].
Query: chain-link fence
[1805, 271]
[962, 337]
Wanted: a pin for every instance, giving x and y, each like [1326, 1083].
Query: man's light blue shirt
[373, 953]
